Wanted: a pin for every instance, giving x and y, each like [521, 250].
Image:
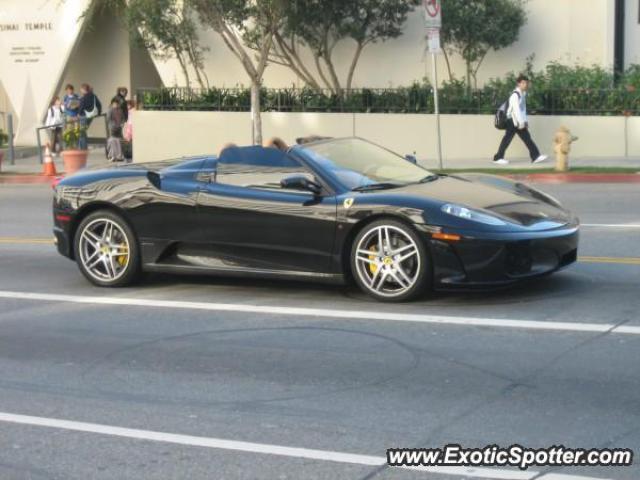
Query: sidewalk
[31, 165]
[525, 163]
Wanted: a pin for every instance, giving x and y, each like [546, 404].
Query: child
[127, 134]
[55, 121]
[71, 103]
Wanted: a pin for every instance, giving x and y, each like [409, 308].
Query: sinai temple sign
[36, 41]
[26, 53]
[14, 27]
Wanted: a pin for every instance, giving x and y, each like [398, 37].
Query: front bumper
[485, 259]
[63, 243]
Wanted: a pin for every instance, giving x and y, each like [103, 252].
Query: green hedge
[558, 89]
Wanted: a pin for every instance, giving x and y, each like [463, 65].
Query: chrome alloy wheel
[387, 261]
[104, 250]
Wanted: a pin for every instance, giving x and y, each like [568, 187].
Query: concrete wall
[159, 135]
[633, 136]
[569, 31]
[632, 33]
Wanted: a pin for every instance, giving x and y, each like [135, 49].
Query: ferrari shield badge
[348, 202]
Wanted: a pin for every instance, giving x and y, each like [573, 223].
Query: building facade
[46, 44]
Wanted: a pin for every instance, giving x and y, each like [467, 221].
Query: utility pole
[433, 23]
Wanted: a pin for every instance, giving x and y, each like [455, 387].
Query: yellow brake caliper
[373, 268]
[122, 259]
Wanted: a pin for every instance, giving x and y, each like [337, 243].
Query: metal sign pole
[436, 106]
[433, 23]
[12, 152]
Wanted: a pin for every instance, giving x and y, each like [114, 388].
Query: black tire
[387, 275]
[112, 268]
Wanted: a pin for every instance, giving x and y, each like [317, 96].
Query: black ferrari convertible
[330, 210]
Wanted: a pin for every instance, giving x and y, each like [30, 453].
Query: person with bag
[55, 120]
[512, 117]
[90, 108]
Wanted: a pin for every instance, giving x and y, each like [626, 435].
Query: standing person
[71, 103]
[127, 134]
[517, 123]
[90, 107]
[115, 122]
[54, 121]
[121, 98]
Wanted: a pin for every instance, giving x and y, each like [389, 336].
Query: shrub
[558, 89]
[71, 135]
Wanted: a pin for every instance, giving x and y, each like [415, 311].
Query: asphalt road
[212, 377]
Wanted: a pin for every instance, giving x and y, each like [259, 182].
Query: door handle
[206, 177]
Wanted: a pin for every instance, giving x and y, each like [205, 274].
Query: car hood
[512, 201]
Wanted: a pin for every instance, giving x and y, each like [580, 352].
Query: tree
[241, 23]
[319, 25]
[167, 30]
[472, 28]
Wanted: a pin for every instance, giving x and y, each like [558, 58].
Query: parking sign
[432, 14]
[433, 40]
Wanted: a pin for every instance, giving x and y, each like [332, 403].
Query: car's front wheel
[106, 250]
[390, 262]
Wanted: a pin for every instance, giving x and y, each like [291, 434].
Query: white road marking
[268, 449]
[560, 476]
[611, 225]
[328, 313]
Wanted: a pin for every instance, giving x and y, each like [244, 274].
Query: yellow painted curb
[26, 240]
[619, 260]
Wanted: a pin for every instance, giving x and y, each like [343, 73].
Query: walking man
[517, 123]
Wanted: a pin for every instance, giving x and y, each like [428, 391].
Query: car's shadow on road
[560, 285]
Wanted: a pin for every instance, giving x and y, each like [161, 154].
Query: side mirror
[300, 182]
[411, 158]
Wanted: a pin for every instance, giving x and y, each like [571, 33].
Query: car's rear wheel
[106, 250]
[390, 262]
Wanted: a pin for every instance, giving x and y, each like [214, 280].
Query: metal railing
[7, 122]
[63, 126]
[414, 99]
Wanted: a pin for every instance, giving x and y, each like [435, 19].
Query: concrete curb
[25, 179]
[577, 177]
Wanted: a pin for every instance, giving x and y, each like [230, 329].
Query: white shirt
[517, 110]
[54, 117]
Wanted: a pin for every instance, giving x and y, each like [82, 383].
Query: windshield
[356, 163]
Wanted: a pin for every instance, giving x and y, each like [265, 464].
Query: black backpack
[500, 120]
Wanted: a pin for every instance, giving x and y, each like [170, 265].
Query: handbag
[94, 111]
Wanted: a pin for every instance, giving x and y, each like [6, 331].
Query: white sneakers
[502, 161]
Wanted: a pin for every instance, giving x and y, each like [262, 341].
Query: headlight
[473, 215]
